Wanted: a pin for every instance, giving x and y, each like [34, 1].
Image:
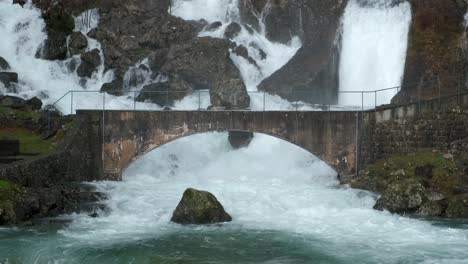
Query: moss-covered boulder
[427, 183]
[199, 207]
[402, 197]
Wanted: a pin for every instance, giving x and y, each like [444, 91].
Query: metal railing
[262, 100]
[259, 100]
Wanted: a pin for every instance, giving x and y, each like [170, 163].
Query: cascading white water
[375, 38]
[22, 34]
[271, 185]
[277, 54]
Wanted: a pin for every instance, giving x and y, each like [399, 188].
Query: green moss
[30, 142]
[426, 166]
[8, 192]
[20, 114]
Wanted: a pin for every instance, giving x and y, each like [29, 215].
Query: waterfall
[375, 38]
[269, 56]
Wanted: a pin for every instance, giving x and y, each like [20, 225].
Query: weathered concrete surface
[126, 135]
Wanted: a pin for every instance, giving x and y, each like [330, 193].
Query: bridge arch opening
[217, 141]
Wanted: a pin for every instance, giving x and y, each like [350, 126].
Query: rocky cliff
[436, 60]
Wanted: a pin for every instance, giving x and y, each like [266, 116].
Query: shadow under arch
[226, 131]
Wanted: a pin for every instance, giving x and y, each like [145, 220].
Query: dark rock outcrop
[12, 102]
[34, 103]
[19, 204]
[436, 57]
[131, 30]
[313, 71]
[113, 88]
[4, 65]
[213, 26]
[232, 30]
[19, 2]
[59, 24]
[205, 64]
[77, 43]
[8, 78]
[240, 139]
[199, 207]
[89, 63]
[165, 93]
[425, 183]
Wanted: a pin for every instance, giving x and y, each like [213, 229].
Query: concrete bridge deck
[126, 135]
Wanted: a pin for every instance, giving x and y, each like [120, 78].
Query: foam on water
[375, 39]
[271, 185]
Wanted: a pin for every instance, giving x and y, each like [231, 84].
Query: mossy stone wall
[407, 129]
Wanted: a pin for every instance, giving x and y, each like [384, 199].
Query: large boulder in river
[402, 197]
[199, 207]
[312, 73]
[436, 56]
[205, 63]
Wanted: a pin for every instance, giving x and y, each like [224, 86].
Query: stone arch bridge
[126, 135]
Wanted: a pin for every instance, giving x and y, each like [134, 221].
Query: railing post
[167, 99]
[103, 126]
[48, 122]
[199, 100]
[362, 101]
[297, 100]
[71, 103]
[264, 101]
[375, 100]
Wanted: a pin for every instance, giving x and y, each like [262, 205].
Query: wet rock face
[199, 207]
[402, 197]
[314, 68]
[165, 93]
[18, 204]
[113, 88]
[131, 30]
[59, 24]
[89, 63]
[232, 30]
[77, 43]
[240, 139]
[436, 54]
[4, 65]
[205, 64]
[281, 17]
[8, 78]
